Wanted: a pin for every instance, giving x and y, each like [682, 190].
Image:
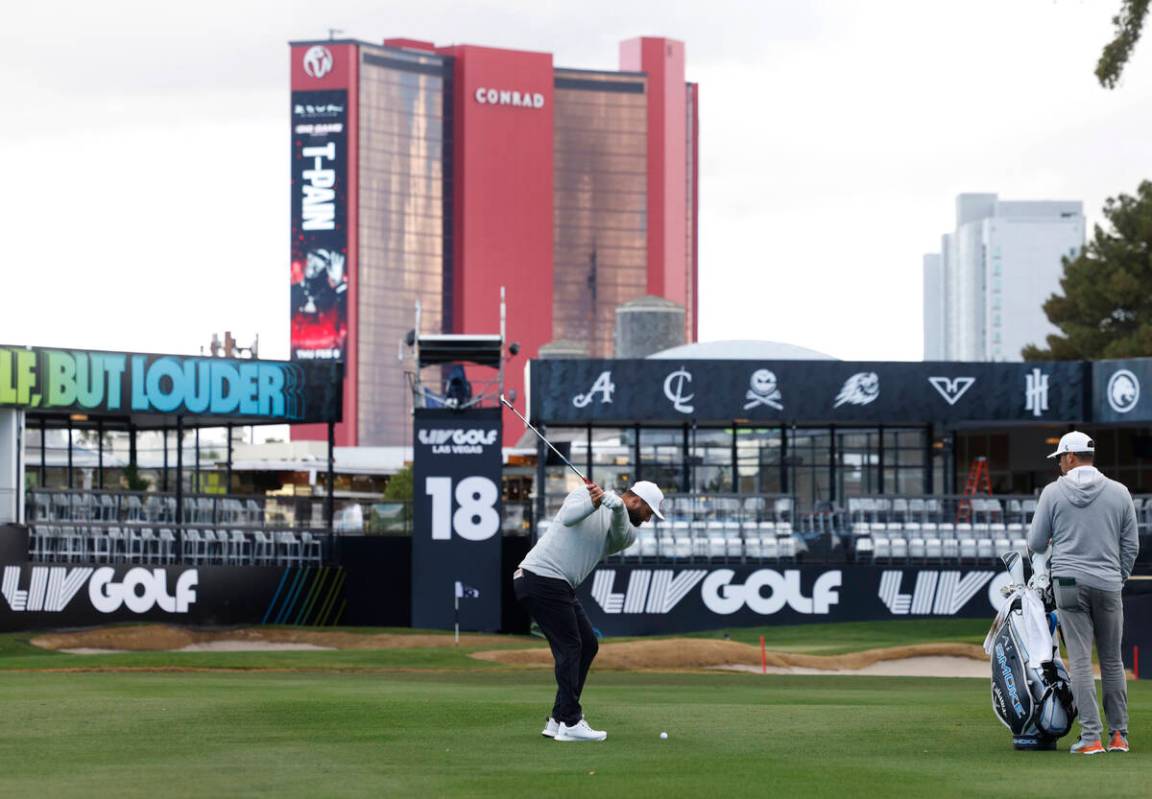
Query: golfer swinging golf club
[591, 524]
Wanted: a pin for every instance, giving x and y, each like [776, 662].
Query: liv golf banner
[662, 599]
[48, 595]
[456, 519]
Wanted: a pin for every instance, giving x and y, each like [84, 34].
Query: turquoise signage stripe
[272, 604]
[293, 594]
[333, 593]
[312, 594]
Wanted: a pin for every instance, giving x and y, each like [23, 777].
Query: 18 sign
[475, 519]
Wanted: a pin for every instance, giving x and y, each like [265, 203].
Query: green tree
[132, 479]
[1129, 24]
[399, 486]
[1105, 309]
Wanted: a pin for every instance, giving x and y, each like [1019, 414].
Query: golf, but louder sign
[456, 519]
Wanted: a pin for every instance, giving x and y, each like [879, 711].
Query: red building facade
[439, 175]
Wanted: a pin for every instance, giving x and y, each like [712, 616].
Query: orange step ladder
[978, 482]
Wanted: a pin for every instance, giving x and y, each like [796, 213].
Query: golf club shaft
[541, 436]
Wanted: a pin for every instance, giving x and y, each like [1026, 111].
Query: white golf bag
[1031, 693]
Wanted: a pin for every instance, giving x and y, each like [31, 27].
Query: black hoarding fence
[319, 225]
[665, 599]
[457, 518]
[47, 595]
[658, 391]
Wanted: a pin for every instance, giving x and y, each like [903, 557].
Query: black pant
[554, 605]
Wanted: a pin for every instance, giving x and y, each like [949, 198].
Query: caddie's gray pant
[1100, 616]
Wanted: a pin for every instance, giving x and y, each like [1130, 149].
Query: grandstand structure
[129, 393]
[146, 528]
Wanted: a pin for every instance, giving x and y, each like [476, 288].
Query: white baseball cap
[1074, 442]
[651, 494]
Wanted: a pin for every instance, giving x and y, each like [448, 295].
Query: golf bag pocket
[1066, 593]
[1056, 710]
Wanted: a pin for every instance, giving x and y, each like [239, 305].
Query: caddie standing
[591, 524]
[1089, 522]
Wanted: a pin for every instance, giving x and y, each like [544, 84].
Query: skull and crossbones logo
[763, 391]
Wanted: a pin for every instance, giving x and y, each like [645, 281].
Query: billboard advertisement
[319, 225]
[94, 382]
[456, 543]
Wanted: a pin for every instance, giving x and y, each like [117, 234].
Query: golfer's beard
[634, 517]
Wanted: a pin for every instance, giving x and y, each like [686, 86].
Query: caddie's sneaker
[580, 731]
[1118, 742]
[550, 728]
[1082, 747]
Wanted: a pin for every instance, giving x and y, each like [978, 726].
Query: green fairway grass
[433, 723]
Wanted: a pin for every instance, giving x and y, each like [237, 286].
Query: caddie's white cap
[651, 494]
[1074, 442]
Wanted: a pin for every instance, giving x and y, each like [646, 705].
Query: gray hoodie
[578, 538]
[1091, 523]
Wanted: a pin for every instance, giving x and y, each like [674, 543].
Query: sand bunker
[702, 653]
[215, 646]
[939, 666]
[668, 654]
[169, 638]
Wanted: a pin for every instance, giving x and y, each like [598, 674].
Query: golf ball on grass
[663, 736]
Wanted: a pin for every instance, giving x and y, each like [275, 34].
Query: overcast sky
[146, 157]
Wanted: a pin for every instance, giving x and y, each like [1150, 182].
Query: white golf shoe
[550, 728]
[580, 731]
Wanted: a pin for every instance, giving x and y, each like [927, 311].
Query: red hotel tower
[440, 174]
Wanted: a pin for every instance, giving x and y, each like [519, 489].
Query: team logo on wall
[861, 388]
[603, 386]
[675, 384]
[763, 391]
[951, 388]
[1123, 391]
[1036, 392]
[317, 61]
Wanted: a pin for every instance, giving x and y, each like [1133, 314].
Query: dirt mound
[164, 637]
[702, 653]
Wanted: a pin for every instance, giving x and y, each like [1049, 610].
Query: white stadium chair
[881, 547]
[899, 549]
[166, 541]
[933, 549]
[917, 549]
[951, 548]
[968, 550]
[985, 549]
[785, 548]
[649, 543]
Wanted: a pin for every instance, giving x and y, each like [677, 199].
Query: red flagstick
[763, 656]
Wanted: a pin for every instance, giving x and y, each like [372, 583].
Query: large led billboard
[319, 225]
